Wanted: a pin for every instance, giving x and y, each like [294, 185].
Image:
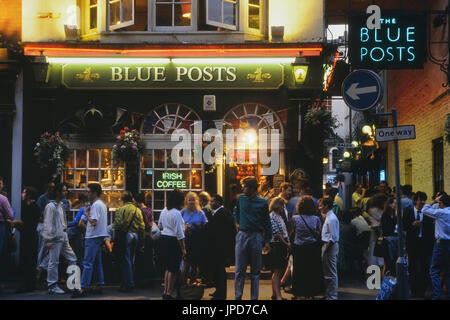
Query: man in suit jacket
[419, 245]
[220, 231]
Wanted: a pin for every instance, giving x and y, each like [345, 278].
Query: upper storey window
[173, 13]
[121, 13]
[222, 13]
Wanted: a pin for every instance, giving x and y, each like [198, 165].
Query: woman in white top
[172, 246]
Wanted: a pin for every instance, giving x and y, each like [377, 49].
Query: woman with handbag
[308, 280]
[279, 246]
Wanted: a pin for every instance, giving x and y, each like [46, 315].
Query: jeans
[126, 265]
[92, 263]
[58, 248]
[329, 263]
[441, 258]
[248, 250]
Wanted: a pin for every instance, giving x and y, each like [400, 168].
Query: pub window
[86, 166]
[120, 13]
[160, 175]
[173, 13]
[254, 14]
[438, 165]
[222, 13]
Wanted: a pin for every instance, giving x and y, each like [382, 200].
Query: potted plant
[51, 153]
[129, 148]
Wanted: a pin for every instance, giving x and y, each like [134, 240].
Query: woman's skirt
[278, 256]
[307, 276]
[170, 253]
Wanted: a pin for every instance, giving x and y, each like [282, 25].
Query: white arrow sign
[354, 92]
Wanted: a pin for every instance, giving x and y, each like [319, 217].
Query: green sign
[171, 180]
[170, 76]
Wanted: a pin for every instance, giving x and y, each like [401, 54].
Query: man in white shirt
[96, 231]
[441, 251]
[56, 239]
[330, 248]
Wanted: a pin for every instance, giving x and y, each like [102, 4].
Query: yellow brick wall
[429, 120]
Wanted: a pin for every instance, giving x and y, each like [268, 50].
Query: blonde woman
[194, 219]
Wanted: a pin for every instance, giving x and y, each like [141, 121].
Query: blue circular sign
[362, 89]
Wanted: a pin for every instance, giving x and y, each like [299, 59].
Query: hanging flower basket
[129, 146]
[319, 118]
[51, 153]
[447, 129]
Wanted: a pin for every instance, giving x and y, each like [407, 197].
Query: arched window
[167, 117]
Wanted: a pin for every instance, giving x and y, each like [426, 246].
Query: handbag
[120, 239]
[381, 247]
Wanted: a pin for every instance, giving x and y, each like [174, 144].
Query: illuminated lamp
[346, 154]
[325, 160]
[367, 130]
[300, 70]
[355, 144]
[277, 33]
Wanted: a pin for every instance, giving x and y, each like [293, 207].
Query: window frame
[123, 24]
[86, 16]
[260, 7]
[194, 16]
[221, 24]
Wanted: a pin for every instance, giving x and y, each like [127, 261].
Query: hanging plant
[447, 129]
[51, 152]
[129, 146]
[319, 117]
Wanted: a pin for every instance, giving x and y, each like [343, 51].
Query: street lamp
[346, 154]
[367, 130]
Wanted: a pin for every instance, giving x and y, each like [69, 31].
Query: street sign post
[362, 89]
[397, 133]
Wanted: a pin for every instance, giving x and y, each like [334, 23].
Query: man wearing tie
[419, 245]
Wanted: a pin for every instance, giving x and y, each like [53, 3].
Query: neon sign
[398, 44]
[170, 180]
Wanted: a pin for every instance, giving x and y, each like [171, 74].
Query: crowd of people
[307, 243]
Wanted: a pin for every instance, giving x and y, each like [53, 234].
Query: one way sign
[395, 133]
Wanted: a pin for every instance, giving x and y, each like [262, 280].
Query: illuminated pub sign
[171, 180]
[169, 75]
[399, 44]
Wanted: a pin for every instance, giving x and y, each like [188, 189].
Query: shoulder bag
[315, 235]
[120, 239]
[381, 248]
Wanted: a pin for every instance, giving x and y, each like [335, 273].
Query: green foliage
[51, 152]
[320, 118]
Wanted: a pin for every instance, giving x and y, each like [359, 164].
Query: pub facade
[95, 68]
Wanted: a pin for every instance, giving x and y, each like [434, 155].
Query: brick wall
[421, 100]
[11, 19]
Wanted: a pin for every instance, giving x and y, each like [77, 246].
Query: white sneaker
[56, 290]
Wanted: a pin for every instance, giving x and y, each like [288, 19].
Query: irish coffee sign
[172, 76]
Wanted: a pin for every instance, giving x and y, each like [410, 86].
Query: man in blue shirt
[251, 215]
[406, 201]
[441, 251]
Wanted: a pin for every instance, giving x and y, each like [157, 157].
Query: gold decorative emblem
[87, 75]
[258, 76]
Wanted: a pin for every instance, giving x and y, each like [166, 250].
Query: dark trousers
[419, 258]
[28, 262]
[219, 276]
